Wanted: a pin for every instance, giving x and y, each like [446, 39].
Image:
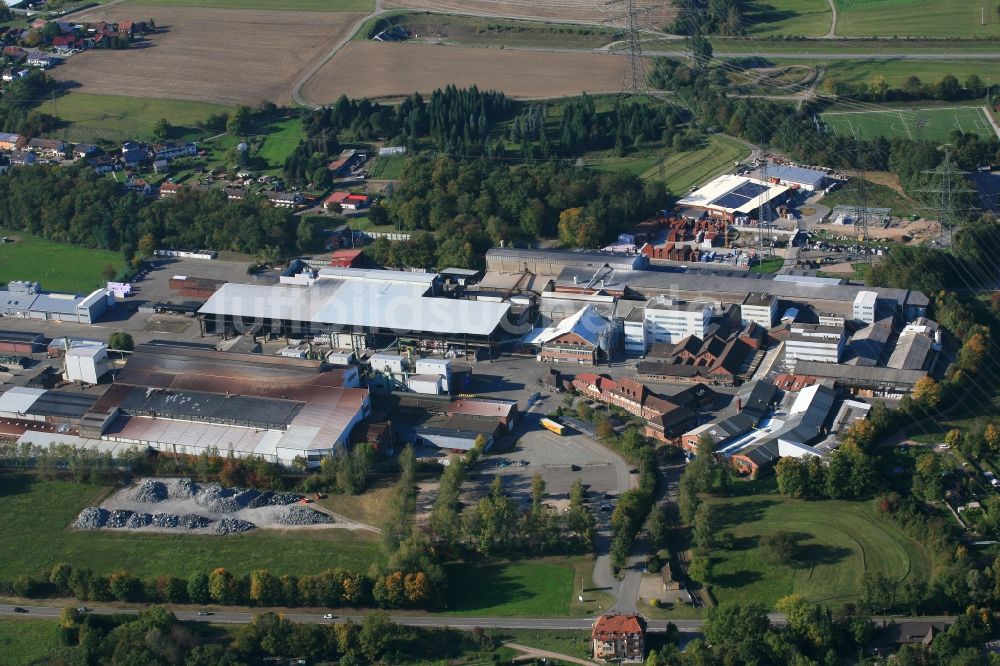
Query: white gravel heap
[300, 515]
[233, 526]
[149, 491]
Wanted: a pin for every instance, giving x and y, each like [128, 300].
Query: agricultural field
[838, 543]
[681, 171]
[657, 13]
[91, 117]
[807, 18]
[918, 18]
[58, 267]
[285, 5]
[258, 57]
[36, 514]
[406, 68]
[24, 642]
[476, 31]
[934, 124]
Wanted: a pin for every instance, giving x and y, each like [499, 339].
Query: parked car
[204, 612]
[329, 616]
[18, 609]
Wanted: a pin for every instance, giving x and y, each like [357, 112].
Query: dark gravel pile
[183, 489]
[164, 520]
[233, 526]
[118, 518]
[192, 521]
[137, 520]
[149, 491]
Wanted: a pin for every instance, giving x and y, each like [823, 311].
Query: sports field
[838, 543]
[927, 124]
[59, 267]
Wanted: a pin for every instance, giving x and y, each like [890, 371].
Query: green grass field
[59, 267]
[877, 196]
[281, 142]
[113, 117]
[840, 541]
[934, 124]
[476, 31]
[897, 71]
[768, 266]
[917, 18]
[34, 516]
[681, 171]
[284, 5]
[526, 588]
[389, 167]
[24, 642]
[806, 18]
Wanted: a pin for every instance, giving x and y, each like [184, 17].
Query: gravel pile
[91, 518]
[164, 520]
[233, 526]
[280, 499]
[218, 499]
[301, 515]
[182, 489]
[192, 521]
[244, 498]
[149, 491]
[118, 518]
[137, 520]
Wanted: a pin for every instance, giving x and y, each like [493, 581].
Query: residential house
[105, 164]
[172, 151]
[283, 199]
[47, 147]
[39, 59]
[67, 43]
[139, 185]
[9, 141]
[15, 74]
[234, 193]
[84, 150]
[168, 190]
[619, 638]
[134, 153]
[161, 166]
[22, 158]
[15, 54]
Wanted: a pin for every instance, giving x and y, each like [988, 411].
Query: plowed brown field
[212, 55]
[377, 69]
[656, 13]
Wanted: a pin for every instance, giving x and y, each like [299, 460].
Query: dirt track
[211, 55]
[658, 14]
[373, 69]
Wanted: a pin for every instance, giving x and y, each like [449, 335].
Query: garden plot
[181, 505]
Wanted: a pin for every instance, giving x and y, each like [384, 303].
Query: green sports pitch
[926, 124]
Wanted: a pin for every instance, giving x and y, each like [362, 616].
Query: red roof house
[619, 638]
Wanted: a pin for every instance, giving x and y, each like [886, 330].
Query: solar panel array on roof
[740, 195]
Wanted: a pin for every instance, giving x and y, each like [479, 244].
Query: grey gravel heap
[164, 520]
[137, 520]
[301, 515]
[91, 518]
[118, 518]
[149, 491]
[193, 522]
[183, 489]
[233, 526]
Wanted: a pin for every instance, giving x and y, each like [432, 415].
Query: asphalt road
[227, 617]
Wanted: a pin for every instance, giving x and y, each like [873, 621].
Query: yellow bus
[555, 427]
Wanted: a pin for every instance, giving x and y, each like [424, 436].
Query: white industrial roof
[398, 305]
[866, 298]
[586, 323]
[794, 174]
[19, 399]
[407, 277]
[705, 196]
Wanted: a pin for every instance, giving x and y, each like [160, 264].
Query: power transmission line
[947, 196]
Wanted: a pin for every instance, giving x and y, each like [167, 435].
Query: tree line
[382, 587]
[155, 636]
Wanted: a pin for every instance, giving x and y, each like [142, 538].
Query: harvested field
[572, 11]
[258, 56]
[406, 68]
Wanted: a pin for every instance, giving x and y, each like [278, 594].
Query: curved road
[832, 33]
